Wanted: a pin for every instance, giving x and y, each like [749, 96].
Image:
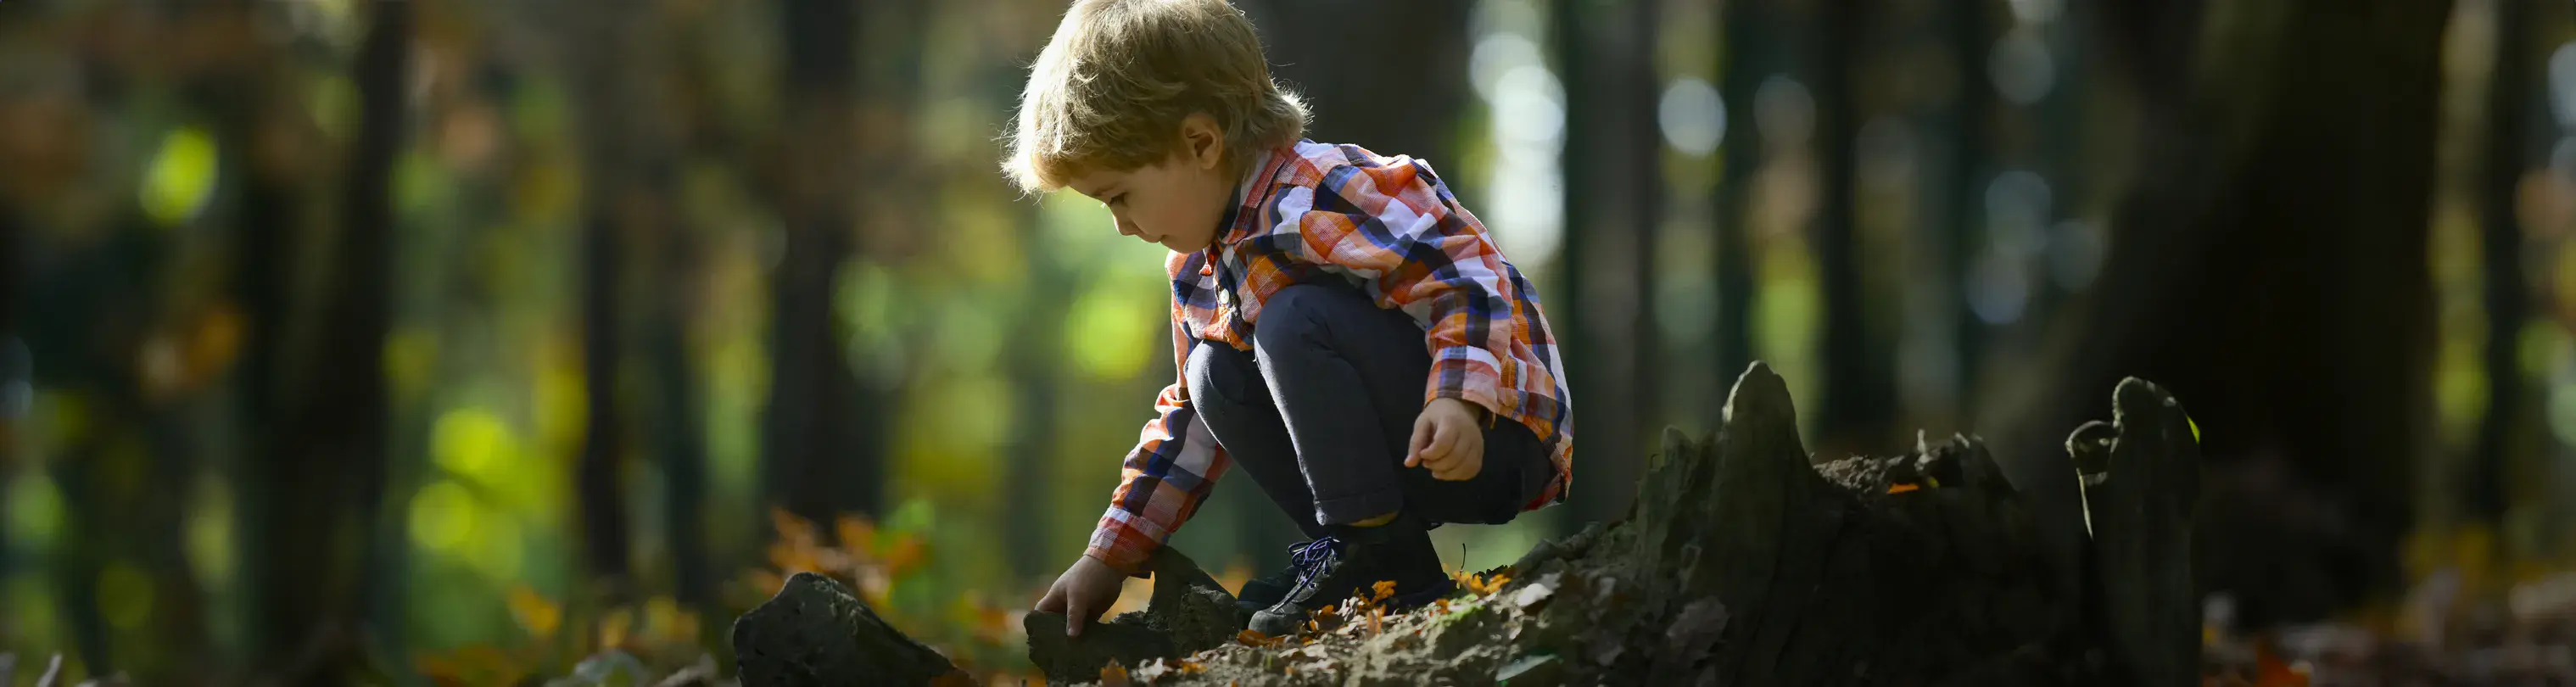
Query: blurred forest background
[478, 335]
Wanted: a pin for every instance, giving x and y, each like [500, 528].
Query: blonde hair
[1113, 86]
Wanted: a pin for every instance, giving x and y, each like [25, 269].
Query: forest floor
[1748, 561]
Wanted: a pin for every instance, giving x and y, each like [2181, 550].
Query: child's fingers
[1075, 612]
[1423, 429]
[1445, 440]
[1053, 602]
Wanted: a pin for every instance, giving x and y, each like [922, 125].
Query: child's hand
[1447, 440]
[1082, 592]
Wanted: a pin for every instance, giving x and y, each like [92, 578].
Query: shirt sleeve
[1163, 480]
[1398, 227]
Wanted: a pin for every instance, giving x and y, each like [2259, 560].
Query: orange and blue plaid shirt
[1387, 225]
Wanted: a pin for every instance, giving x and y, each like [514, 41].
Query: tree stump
[2141, 476]
[1748, 562]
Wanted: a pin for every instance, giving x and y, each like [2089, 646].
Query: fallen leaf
[535, 614]
[1113, 675]
[2270, 671]
[1902, 488]
[1382, 590]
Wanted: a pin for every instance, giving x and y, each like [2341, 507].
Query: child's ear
[1203, 140]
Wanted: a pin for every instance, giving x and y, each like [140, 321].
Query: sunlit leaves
[471, 442]
[210, 543]
[1110, 332]
[442, 516]
[35, 509]
[181, 176]
[124, 595]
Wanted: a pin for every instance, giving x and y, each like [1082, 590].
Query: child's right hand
[1082, 592]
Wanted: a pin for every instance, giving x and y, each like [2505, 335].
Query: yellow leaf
[1382, 590]
[533, 612]
[1900, 488]
[791, 528]
[1113, 675]
[855, 532]
[904, 555]
[613, 628]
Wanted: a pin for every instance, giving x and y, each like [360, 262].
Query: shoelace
[1311, 558]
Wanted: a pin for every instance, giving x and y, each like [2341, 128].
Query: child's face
[1176, 202]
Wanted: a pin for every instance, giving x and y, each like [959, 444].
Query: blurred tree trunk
[15, 368]
[681, 440]
[1749, 56]
[1971, 37]
[1035, 362]
[1355, 96]
[659, 135]
[2268, 267]
[1614, 200]
[2505, 155]
[817, 463]
[1859, 376]
[695, 100]
[615, 201]
[326, 474]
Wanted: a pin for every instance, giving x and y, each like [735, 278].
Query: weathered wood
[2140, 475]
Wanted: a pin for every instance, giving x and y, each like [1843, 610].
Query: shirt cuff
[1120, 546]
[1467, 375]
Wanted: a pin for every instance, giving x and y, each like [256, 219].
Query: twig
[53, 670]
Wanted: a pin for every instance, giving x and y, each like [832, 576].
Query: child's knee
[1297, 312]
[1218, 374]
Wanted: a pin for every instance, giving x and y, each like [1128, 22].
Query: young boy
[1344, 329]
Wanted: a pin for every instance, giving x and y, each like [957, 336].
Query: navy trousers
[1321, 410]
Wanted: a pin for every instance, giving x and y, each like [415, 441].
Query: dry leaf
[537, 615]
[1381, 590]
[1900, 488]
[1113, 675]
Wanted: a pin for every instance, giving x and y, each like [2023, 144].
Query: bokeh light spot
[124, 595]
[442, 516]
[181, 176]
[1693, 116]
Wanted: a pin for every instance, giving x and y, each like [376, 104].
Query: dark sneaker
[1336, 567]
[1260, 592]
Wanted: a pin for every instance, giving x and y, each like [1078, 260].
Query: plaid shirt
[1387, 225]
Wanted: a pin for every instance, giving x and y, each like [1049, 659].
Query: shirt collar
[1249, 192]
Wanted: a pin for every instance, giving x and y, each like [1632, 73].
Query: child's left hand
[1447, 440]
